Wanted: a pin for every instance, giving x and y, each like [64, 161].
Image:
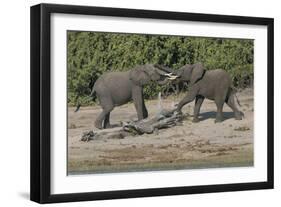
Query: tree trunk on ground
[164, 119]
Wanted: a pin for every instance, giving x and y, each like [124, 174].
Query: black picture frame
[41, 96]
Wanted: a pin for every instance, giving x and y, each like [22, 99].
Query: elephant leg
[107, 106]
[100, 119]
[144, 111]
[106, 123]
[231, 103]
[219, 116]
[187, 99]
[141, 110]
[139, 103]
[198, 102]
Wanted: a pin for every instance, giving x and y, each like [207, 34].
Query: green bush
[90, 54]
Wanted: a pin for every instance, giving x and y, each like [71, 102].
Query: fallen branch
[164, 119]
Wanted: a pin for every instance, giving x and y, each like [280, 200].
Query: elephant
[118, 88]
[212, 84]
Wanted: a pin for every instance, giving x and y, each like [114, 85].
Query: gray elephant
[118, 88]
[213, 84]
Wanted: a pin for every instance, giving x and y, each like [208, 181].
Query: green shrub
[90, 54]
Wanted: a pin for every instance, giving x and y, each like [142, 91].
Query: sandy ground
[192, 145]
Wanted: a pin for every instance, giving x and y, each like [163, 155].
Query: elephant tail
[93, 94]
[77, 107]
[91, 97]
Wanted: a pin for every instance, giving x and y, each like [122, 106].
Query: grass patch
[243, 128]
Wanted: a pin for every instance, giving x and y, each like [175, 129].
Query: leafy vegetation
[90, 54]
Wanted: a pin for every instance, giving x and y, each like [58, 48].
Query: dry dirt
[192, 145]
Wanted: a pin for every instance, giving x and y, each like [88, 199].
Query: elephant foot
[98, 125]
[239, 115]
[177, 111]
[108, 126]
[218, 119]
[195, 120]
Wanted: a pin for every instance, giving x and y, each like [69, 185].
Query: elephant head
[143, 74]
[191, 73]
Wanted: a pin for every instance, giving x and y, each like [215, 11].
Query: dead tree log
[163, 119]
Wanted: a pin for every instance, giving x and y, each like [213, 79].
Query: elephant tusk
[168, 74]
[173, 77]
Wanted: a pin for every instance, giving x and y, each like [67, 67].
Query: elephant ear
[139, 76]
[197, 72]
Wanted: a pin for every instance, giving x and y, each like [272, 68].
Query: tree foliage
[90, 54]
